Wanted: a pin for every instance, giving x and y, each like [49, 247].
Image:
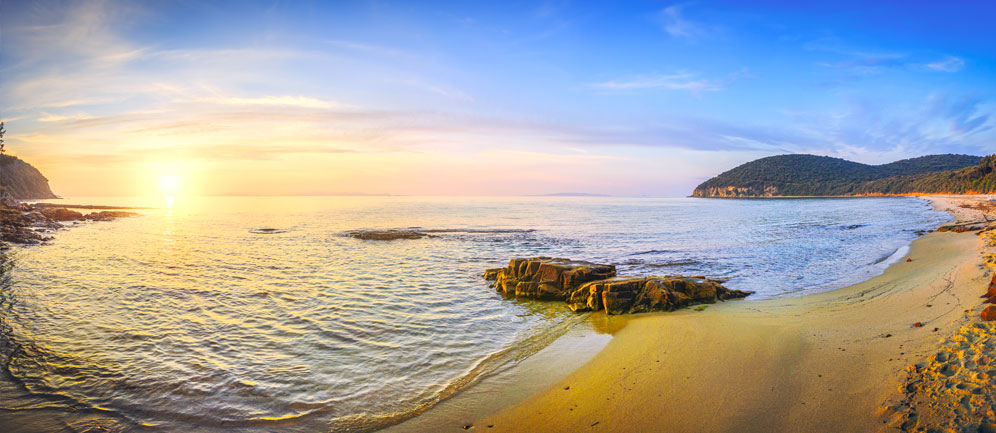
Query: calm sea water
[190, 316]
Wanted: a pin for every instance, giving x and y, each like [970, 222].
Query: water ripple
[186, 321]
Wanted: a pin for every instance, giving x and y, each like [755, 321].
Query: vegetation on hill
[980, 179]
[811, 175]
[21, 180]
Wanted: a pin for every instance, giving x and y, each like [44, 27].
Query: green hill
[980, 179]
[811, 175]
[22, 180]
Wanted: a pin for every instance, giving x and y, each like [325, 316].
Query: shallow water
[257, 313]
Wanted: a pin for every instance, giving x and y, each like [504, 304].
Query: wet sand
[828, 362]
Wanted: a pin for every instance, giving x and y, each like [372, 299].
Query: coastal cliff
[811, 175]
[22, 180]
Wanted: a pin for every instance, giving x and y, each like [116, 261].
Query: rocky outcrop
[545, 277]
[589, 286]
[640, 295]
[61, 214]
[22, 223]
[386, 235]
[107, 215]
[22, 180]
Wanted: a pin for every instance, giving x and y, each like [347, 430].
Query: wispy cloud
[864, 61]
[673, 21]
[681, 81]
[368, 48]
[949, 64]
[292, 101]
[57, 118]
[688, 81]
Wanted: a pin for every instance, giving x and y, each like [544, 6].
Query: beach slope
[828, 362]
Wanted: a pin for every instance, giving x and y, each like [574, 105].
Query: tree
[2, 131]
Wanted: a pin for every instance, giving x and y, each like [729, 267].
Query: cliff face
[22, 180]
[730, 191]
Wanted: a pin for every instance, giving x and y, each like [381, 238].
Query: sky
[481, 98]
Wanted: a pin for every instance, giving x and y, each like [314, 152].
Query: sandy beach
[856, 359]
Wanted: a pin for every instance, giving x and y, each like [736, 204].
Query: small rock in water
[386, 235]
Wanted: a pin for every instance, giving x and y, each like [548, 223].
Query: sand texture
[851, 360]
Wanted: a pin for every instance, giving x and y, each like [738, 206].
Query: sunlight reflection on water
[256, 312]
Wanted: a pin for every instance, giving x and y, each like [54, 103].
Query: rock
[24, 224]
[61, 214]
[989, 313]
[640, 295]
[991, 293]
[491, 274]
[547, 278]
[386, 235]
[589, 286]
[108, 215]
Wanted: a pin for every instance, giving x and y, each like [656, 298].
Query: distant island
[572, 194]
[824, 176]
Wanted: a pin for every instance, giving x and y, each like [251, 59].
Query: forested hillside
[811, 175]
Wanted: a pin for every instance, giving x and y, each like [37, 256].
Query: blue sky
[640, 98]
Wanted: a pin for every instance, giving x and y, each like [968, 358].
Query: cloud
[680, 81]
[868, 62]
[371, 49]
[965, 115]
[688, 81]
[675, 24]
[949, 64]
[57, 118]
[294, 101]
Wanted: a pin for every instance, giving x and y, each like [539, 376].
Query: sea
[263, 314]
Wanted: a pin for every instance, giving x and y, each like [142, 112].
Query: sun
[170, 184]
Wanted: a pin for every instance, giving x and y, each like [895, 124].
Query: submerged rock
[589, 286]
[386, 235]
[61, 214]
[108, 215]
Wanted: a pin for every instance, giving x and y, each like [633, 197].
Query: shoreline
[828, 361]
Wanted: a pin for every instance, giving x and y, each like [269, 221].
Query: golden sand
[830, 362]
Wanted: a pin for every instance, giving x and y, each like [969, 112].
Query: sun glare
[170, 184]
